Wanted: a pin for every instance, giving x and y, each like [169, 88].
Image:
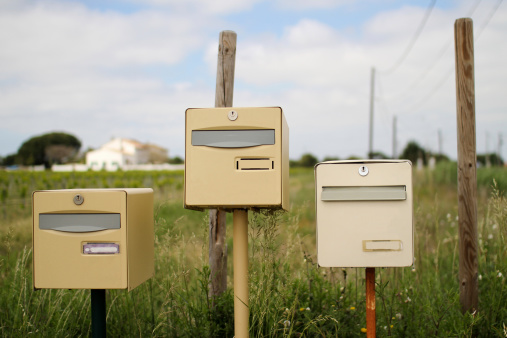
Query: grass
[289, 294]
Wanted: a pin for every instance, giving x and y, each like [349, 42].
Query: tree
[330, 158]
[9, 160]
[308, 160]
[377, 155]
[414, 151]
[176, 160]
[492, 158]
[48, 149]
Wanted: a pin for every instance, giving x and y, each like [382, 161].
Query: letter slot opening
[382, 245]
[387, 193]
[233, 138]
[254, 164]
[79, 222]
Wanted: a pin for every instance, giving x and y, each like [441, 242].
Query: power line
[413, 40]
[445, 47]
[450, 71]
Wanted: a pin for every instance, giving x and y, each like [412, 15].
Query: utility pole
[372, 105]
[440, 151]
[488, 160]
[394, 138]
[500, 142]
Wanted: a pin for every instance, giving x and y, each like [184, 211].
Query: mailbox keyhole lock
[233, 115]
[363, 170]
[78, 199]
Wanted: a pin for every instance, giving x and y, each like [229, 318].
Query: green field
[289, 294]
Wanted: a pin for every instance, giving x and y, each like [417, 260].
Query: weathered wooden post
[467, 179]
[217, 226]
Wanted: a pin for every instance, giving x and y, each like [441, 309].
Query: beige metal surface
[59, 261]
[237, 176]
[364, 221]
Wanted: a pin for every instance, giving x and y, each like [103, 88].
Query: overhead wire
[412, 41]
[451, 70]
[445, 47]
[440, 54]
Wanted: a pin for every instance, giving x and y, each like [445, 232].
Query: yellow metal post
[240, 253]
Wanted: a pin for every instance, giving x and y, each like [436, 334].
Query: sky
[100, 69]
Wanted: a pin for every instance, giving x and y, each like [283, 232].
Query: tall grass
[289, 294]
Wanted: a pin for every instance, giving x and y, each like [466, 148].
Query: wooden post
[467, 179]
[372, 107]
[371, 320]
[217, 226]
[240, 259]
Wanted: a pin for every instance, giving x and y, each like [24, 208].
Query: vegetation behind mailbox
[289, 294]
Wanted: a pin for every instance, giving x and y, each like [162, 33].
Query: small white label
[101, 248]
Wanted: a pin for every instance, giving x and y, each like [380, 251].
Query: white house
[119, 153]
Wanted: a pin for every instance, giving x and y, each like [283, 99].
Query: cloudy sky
[103, 68]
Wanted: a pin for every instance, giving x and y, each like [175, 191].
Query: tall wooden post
[372, 107]
[217, 226]
[467, 179]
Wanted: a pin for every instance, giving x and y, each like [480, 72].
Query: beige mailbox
[364, 213]
[236, 158]
[92, 238]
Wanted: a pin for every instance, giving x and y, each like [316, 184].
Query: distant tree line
[47, 149]
[412, 151]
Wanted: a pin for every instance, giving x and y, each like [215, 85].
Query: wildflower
[307, 309]
[304, 260]
[287, 310]
[392, 326]
[490, 236]
[398, 316]
[480, 277]
[393, 318]
[363, 330]
[301, 309]
[385, 327]
[286, 323]
[495, 226]
[448, 217]
[341, 289]
[352, 308]
[499, 274]
[341, 297]
[408, 300]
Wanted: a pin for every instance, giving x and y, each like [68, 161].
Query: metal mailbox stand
[240, 262]
[98, 299]
[371, 319]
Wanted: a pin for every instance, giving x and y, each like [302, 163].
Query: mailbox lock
[363, 170]
[233, 115]
[78, 199]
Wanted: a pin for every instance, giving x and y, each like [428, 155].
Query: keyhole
[78, 199]
[363, 170]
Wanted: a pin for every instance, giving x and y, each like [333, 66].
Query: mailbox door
[364, 221]
[75, 246]
[235, 162]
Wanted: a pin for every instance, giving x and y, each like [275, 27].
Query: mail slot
[236, 158]
[92, 238]
[364, 213]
